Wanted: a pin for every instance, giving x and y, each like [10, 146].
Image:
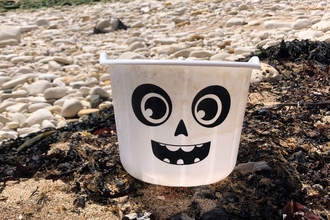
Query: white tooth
[187, 148]
[161, 144]
[171, 148]
[196, 160]
[180, 162]
[199, 145]
[166, 160]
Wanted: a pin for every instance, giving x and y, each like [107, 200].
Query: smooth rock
[61, 124]
[47, 124]
[54, 66]
[70, 108]
[235, 21]
[12, 125]
[7, 135]
[200, 54]
[38, 116]
[301, 23]
[309, 34]
[4, 119]
[220, 56]
[24, 70]
[42, 22]
[277, 24]
[182, 53]
[104, 23]
[55, 109]
[4, 79]
[54, 93]
[166, 41]
[21, 59]
[87, 111]
[28, 130]
[244, 50]
[97, 90]
[9, 42]
[6, 104]
[37, 106]
[322, 26]
[18, 117]
[63, 60]
[28, 28]
[38, 87]
[15, 94]
[131, 55]
[19, 107]
[16, 81]
[85, 90]
[136, 45]
[10, 33]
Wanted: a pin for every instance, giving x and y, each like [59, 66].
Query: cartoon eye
[151, 104]
[210, 106]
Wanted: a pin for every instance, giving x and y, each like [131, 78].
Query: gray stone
[95, 100]
[16, 81]
[42, 22]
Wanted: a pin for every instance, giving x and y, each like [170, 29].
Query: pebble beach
[49, 58]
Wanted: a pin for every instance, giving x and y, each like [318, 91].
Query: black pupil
[157, 106]
[209, 107]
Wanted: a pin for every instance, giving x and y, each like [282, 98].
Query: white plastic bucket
[179, 122]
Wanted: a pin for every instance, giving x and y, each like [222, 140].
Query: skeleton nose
[181, 129]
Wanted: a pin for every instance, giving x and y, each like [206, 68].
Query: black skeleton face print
[152, 106]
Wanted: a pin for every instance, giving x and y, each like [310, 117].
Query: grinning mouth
[180, 154]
